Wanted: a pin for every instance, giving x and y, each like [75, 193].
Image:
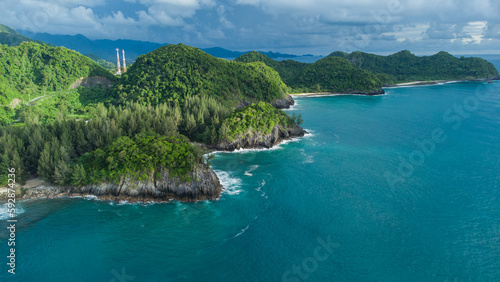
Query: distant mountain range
[105, 48]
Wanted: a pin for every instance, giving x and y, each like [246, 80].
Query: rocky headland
[204, 185]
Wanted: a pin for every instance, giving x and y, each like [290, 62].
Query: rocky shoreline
[205, 184]
[261, 141]
[161, 187]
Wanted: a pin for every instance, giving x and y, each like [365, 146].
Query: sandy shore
[420, 82]
[318, 94]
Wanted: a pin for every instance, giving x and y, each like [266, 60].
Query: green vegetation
[167, 99]
[137, 157]
[55, 150]
[103, 63]
[174, 72]
[10, 37]
[325, 75]
[260, 117]
[32, 70]
[76, 103]
[404, 66]
[336, 75]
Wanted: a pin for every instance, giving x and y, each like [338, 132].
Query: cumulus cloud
[474, 32]
[315, 26]
[410, 33]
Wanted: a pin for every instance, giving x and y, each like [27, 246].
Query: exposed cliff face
[204, 185]
[284, 103]
[91, 81]
[260, 140]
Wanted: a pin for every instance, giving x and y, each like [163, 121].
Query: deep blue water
[386, 208]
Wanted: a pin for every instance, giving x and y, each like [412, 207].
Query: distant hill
[105, 48]
[405, 66]
[325, 75]
[175, 72]
[11, 37]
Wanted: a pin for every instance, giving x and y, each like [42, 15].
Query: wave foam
[242, 231]
[252, 168]
[230, 184]
[4, 211]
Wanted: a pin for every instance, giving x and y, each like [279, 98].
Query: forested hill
[31, 67]
[325, 75]
[31, 70]
[174, 72]
[11, 37]
[405, 66]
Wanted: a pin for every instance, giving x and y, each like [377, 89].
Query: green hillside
[325, 75]
[194, 95]
[405, 66]
[31, 70]
[10, 37]
[174, 72]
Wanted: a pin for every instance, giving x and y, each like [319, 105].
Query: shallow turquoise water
[438, 221]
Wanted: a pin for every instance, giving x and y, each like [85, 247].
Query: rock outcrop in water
[260, 140]
[155, 188]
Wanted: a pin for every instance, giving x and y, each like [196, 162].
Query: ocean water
[399, 187]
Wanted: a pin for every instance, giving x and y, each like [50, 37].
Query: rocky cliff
[284, 103]
[155, 188]
[261, 140]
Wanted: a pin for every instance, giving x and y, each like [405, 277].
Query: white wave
[276, 147]
[294, 106]
[262, 183]
[90, 197]
[242, 231]
[122, 202]
[231, 185]
[309, 159]
[310, 133]
[252, 168]
[4, 211]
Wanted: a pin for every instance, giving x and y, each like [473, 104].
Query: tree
[79, 176]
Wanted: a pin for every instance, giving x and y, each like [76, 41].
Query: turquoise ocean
[399, 187]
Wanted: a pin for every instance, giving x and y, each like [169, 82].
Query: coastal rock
[156, 187]
[379, 91]
[261, 140]
[284, 103]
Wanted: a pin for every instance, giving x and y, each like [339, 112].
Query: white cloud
[408, 33]
[474, 32]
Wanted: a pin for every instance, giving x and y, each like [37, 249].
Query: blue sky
[293, 26]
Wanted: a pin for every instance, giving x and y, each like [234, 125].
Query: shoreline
[320, 94]
[397, 85]
[37, 189]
